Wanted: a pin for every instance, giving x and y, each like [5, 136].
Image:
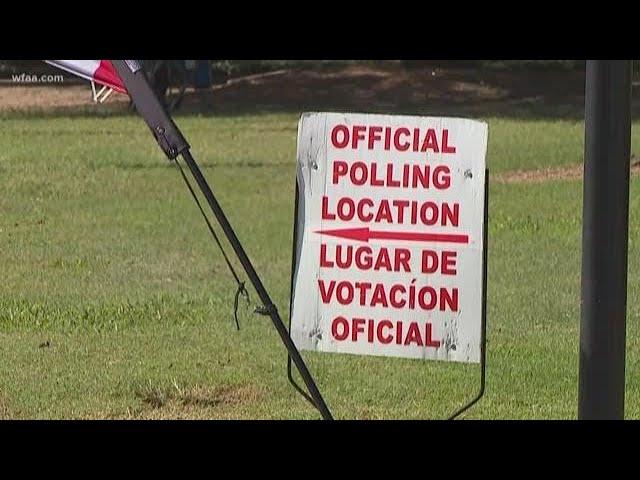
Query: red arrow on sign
[364, 234]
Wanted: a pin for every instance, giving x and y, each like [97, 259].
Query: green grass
[115, 303]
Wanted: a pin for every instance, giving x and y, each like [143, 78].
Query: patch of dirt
[5, 411]
[368, 413]
[25, 98]
[572, 172]
[195, 402]
[388, 88]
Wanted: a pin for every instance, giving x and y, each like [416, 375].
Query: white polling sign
[389, 252]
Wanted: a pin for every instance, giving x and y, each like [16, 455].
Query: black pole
[605, 239]
[294, 354]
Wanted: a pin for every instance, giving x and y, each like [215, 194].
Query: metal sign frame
[483, 320]
[483, 334]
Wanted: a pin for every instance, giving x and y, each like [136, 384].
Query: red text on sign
[395, 295]
[365, 258]
[394, 259]
[366, 210]
[385, 332]
[401, 139]
[390, 175]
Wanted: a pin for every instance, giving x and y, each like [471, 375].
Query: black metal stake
[483, 333]
[294, 244]
[294, 354]
[605, 239]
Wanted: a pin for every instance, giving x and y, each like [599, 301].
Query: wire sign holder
[390, 236]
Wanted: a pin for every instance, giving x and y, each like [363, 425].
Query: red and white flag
[101, 72]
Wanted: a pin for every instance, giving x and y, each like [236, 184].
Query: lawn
[114, 302]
